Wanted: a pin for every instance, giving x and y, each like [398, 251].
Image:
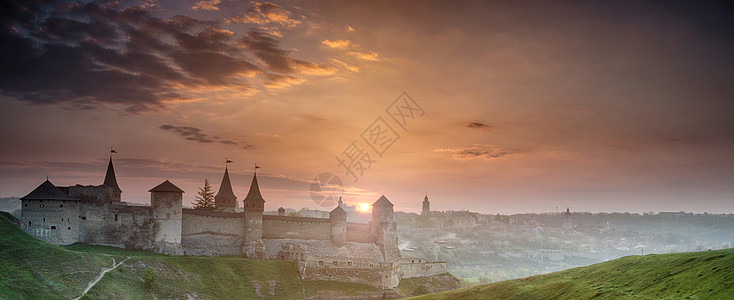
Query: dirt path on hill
[104, 271]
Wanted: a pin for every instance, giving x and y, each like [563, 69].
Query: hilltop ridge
[693, 275]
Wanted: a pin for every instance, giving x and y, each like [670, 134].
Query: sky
[488, 106]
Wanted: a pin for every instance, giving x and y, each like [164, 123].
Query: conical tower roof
[225, 189]
[166, 186]
[337, 212]
[254, 194]
[47, 191]
[110, 179]
[382, 202]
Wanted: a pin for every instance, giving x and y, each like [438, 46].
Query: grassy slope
[30, 268]
[698, 275]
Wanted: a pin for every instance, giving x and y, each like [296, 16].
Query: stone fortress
[324, 248]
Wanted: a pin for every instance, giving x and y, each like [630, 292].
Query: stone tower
[567, 221]
[254, 205]
[225, 200]
[48, 214]
[111, 181]
[338, 220]
[165, 201]
[383, 229]
[426, 212]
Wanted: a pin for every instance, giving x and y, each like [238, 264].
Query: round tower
[338, 220]
[254, 205]
[166, 201]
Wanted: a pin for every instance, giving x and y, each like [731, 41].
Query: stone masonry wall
[281, 227]
[380, 275]
[52, 221]
[358, 232]
[212, 233]
[212, 222]
[117, 225]
[410, 268]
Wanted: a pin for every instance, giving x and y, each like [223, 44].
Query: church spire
[110, 179]
[225, 198]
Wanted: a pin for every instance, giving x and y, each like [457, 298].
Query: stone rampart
[417, 267]
[116, 224]
[380, 275]
[207, 244]
[212, 222]
[358, 232]
[284, 227]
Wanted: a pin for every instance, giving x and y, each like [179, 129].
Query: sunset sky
[523, 106]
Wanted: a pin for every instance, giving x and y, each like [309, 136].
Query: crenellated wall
[283, 227]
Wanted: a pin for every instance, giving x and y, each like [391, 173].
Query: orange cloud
[309, 68]
[368, 55]
[346, 65]
[337, 44]
[262, 13]
[206, 5]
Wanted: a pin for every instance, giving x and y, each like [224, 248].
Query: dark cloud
[479, 125]
[189, 133]
[195, 134]
[265, 47]
[91, 54]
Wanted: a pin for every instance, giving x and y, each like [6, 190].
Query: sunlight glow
[364, 207]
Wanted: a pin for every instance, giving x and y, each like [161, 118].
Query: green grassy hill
[32, 269]
[697, 275]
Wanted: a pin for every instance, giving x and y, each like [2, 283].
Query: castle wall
[283, 227]
[212, 233]
[104, 222]
[382, 275]
[117, 225]
[52, 221]
[87, 194]
[416, 267]
[358, 232]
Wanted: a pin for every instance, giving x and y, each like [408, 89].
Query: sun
[364, 207]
